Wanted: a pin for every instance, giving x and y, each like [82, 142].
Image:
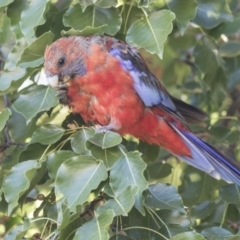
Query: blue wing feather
[146, 84]
[148, 87]
[208, 159]
[152, 93]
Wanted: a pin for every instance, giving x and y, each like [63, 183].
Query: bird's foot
[102, 129]
[113, 125]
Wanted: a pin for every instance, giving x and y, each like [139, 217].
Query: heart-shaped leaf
[96, 228]
[151, 32]
[42, 98]
[17, 181]
[4, 115]
[77, 177]
[106, 140]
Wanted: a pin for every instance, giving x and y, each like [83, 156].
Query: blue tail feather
[209, 159]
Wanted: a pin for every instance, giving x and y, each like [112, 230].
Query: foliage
[60, 180]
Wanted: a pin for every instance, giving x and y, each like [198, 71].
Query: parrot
[109, 84]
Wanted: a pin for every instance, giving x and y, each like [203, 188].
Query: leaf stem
[150, 26]
[123, 7]
[144, 228]
[50, 235]
[127, 17]
[93, 20]
[154, 219]
[163, 223]
[44, 153]
[224, 213]
[64, 142]
[44, 218]
[45, 226]
[236, 186]
[61, 144]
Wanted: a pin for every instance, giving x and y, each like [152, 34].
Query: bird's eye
[61, 61]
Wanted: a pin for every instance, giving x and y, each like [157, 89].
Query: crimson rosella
[108, 83]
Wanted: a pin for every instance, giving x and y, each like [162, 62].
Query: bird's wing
[148, 87]
[190, 113]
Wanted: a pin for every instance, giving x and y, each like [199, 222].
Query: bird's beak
[57, 81]
[53, 81]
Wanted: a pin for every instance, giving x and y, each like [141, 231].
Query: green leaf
[14, 13]
[131, 166]
[184, 10]
[224, 134]
[226, 28]
[149, 152]
[168, 223]
[233, 69]
[5, 2]
[14, 56]
[47, 134]
[7, 38]
[188, 236]
[159, 169]
[32, 17]
[78, 141]
[106, 140]
[203, 210]
[122, 203]
[19, 231]
[163, 196]
[211, 13]
[17, 181]
[175, 221]
[85, 32]
[230, 194]
[109, 155]
[96, 228]
[57, 25]
[216, 232]
[206, 49]
[93, 17]
[4, 116]
[234, 238]
[99, 3]
[106, 3]
[9, 76]
[209, 62]
[230, 49]
[54, 161]
[63, 213]
[86, 3]
[194, 188]
[145, 3]
[77, 177]
[32, 151]
[42, 98]
[32, 56]
[145, 222]
[219, 132]
[151, 32]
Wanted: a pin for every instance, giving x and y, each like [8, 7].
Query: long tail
[209, 159]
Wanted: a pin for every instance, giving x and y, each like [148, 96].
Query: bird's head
[64, 59]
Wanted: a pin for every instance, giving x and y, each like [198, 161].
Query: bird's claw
[101, 129]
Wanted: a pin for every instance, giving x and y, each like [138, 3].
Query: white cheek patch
[53, 81]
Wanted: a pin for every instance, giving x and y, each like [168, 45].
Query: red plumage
[109, 90]
[108, 83]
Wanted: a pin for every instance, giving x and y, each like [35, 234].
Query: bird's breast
[105, 92]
